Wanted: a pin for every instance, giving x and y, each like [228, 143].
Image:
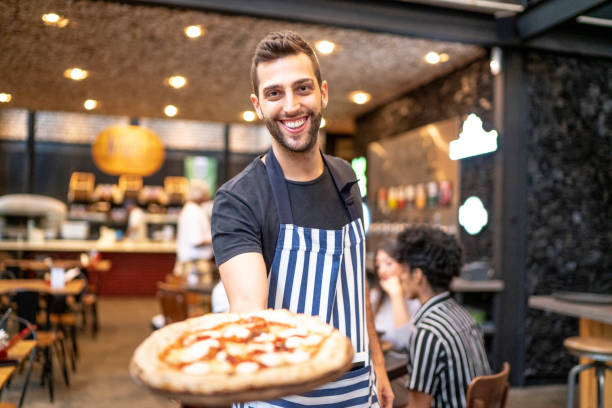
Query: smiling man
[288, 230]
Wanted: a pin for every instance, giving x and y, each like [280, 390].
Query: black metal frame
[546, 21]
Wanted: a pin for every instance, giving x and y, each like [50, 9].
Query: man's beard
[283, 140]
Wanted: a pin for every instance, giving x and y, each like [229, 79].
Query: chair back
[489, 391]
[173, 302]
[27, 305]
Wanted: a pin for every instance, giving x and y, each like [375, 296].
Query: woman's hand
[392, 286]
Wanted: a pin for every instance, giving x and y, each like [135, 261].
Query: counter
[136, 266]
[595, 320]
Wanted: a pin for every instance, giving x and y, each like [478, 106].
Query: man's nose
[292, 103]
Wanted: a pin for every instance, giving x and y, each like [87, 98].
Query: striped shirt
[446, 352]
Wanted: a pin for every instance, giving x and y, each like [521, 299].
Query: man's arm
[245, 280]
[417, 399]
[385, 393]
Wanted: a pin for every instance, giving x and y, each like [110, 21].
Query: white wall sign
[473, 140]
[473, 216]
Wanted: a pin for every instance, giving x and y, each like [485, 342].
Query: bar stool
[599, 350]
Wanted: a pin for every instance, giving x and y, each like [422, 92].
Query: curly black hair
[435, 252]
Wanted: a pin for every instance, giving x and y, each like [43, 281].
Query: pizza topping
[270, 359]
[247, 367]
[242, 346]
[197, 368]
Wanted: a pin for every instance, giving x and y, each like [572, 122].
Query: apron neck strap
[280, 192]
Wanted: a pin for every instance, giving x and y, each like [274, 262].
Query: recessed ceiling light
[90, 104]
[325, 47]
[432, 57]
[75, 73]
[359, 97]
[323, 123]
[54, 19]
[248, 116]
[444, 57]
[194, 31]
[170, 110]
[177, 81]
[5, 97]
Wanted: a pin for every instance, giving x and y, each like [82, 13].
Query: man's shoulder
[250, 179]
[340, 167]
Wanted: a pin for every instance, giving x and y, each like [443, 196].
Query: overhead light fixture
[323, 123]
[325, 47]
[54, 19]
[443, 57]
[432, 57]
[603, 22]
[359, 97]
[90, 104]
[249, 116]
[5, 97]
[194, 31]
[177, 81]
[75, 73]
[170, 110]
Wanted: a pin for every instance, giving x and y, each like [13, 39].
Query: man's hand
[385, 392]
[392, 286]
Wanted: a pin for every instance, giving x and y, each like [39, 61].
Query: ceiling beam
[394, 17]
[548, 14]
[577, 39]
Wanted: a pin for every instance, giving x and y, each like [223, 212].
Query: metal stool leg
[571, 381]
[600, 372]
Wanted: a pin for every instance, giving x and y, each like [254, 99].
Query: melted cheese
[197, 368]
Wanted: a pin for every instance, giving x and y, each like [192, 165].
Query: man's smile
[295, 125]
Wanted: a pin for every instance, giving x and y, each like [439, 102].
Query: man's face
[410, 284]
[290, 101]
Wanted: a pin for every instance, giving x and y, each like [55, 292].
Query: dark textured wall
[569, 230]
[467, 90]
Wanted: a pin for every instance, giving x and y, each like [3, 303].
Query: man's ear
[418, 275]
[255, 102]
[324, 94]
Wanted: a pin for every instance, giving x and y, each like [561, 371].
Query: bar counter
[136, 267]
[595, 320]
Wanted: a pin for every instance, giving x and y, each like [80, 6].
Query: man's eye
[304, 88]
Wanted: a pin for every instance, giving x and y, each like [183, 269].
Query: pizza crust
[331, 360]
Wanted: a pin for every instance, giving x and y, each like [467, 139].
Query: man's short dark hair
[281, 44]
[435, 252]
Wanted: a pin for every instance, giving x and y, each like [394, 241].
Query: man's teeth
[294, 124]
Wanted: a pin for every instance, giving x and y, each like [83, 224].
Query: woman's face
[386, 265]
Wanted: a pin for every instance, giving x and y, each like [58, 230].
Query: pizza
[226, 357]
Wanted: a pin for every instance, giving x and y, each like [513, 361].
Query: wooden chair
[173, 302]
[489, 391]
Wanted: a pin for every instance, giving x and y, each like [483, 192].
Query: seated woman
[392, 311]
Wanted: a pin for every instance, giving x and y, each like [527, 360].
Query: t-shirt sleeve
[424, 362]
[235, 229]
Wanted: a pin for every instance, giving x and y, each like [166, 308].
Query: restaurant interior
[491, 120]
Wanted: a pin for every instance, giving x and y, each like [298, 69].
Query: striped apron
[321, 273]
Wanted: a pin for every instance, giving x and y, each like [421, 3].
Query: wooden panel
[588, 384]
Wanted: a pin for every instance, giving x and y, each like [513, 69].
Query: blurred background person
[194, 242]
[393, 312]
[137, 222]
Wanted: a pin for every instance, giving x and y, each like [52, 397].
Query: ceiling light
[444, 57]
[359, 97]
[177, 81]
[194, 31]
[170, 110]
[90, 104]
[248, 116]
[5, 97]
[75, 73]
[325, 47]
[432, 57]
[54, 20]
[323, 123]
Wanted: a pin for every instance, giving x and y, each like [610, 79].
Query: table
[595, 320]
[19, 352]
[74, 287]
